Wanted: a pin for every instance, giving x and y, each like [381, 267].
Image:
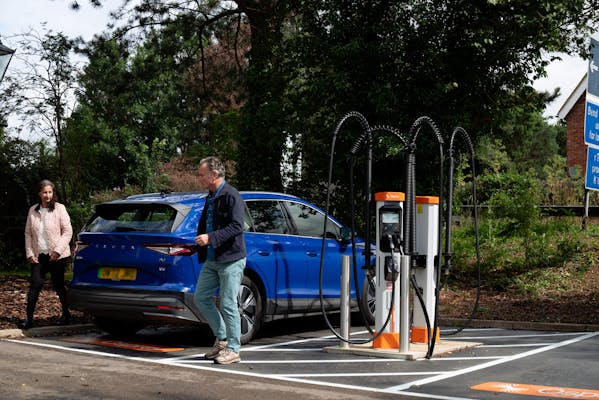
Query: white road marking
[521, 336]
[195, 360]
[502, 360]
[292, 342]
[360, 374]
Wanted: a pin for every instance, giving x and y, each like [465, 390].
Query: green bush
[520, 250]
[513, 201]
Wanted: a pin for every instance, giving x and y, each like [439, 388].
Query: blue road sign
[592, 175]
[591, 123]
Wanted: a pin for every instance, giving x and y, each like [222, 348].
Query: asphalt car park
[506, 364]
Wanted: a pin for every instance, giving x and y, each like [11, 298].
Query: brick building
[573, 113]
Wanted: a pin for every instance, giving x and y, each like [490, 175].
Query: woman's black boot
[65, 318]
[28, 323]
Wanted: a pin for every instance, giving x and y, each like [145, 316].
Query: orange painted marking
[536, 390]
[150, 348]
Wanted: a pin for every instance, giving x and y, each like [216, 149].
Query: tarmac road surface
[41, 373]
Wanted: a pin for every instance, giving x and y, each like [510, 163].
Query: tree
[42, 92]
[461, 62]
[208, 22]
[22, 165]
[143, 102]
[530, 141]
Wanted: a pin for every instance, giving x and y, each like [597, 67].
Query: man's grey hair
[215, 165]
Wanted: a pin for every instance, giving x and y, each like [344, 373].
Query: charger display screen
[390, 228]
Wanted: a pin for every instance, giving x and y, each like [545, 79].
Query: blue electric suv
[135, 262]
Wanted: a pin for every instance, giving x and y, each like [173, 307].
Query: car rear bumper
[134, 305]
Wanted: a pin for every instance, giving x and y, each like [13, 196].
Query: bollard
[344, 317]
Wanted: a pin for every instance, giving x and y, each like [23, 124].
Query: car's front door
[308, 225]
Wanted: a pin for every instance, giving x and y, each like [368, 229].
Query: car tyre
[249, 301]
[369, 299]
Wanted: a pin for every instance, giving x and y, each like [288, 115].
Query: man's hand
[202, 240]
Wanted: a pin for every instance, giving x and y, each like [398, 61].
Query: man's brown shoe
[227, 356]
[219, 345]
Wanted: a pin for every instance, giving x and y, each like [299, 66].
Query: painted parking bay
[564, 362]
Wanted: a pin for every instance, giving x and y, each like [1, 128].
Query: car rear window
[130, 217]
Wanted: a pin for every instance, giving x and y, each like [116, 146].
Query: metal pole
[585, 217]
[404, 304]
[345, 323]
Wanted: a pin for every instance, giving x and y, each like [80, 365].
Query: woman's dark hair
[42, 184]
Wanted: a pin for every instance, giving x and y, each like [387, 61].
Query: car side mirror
[345, 235]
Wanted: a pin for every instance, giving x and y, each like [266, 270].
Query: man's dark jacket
[227, 227]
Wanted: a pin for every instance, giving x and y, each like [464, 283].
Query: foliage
[560, 188]
[521, 250]
[523, 131]
[123, 123]
[551, 251]
[42, 92]
[294, 68]
[22, 165]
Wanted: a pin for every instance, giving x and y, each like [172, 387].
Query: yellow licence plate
[117, 274]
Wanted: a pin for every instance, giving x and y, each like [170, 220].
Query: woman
[48, 233]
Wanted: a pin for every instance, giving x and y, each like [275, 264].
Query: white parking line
[440, 377]
[435, 359]
[319, 361]
[360, 374]
[292, 342]
[521, 336]
[487, 346]
[274, 350]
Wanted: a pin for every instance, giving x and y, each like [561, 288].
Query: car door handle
[264, 252]
[311, 253]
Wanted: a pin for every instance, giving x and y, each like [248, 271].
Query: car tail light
[80, 246]
[173, 249]
[176, 308]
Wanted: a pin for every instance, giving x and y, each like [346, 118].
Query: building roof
[573, 98]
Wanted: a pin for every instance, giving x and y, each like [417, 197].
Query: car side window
[247, 221]
[267, 216]
[310, 222]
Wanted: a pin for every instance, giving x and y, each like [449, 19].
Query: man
[222, 249]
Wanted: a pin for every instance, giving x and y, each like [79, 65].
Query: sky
[19, 16]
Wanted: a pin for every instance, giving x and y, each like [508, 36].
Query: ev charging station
[407, 256]
[389, 210]
[424, 270]
[392, 281]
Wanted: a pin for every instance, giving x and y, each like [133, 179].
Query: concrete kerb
[518, 325]
[45, 331]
